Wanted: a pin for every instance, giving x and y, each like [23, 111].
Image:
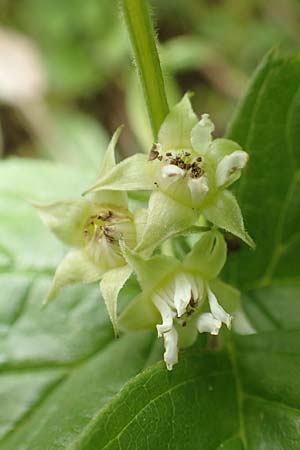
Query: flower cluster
[187, 173]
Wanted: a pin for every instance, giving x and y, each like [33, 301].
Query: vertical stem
[142, 37]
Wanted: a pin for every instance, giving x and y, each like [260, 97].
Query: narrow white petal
[201, 135]
[166, 313]
[194, 287]
[198, 188]
[182, 295]
[167, 293]
[229, 168]
[207, 323]
[170, 170]
[217, 311]
[171, 348]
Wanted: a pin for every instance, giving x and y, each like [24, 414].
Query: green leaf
[266, 126]
[160, 410]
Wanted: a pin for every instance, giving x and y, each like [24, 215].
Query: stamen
[154, 153]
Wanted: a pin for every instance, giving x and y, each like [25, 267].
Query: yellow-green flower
[93, 228]
[188, 173]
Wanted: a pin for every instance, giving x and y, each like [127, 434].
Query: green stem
[142, 37]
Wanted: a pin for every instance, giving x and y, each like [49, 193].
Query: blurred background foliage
[67, 79]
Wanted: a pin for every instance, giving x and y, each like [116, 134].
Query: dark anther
[153, 154]
[192, 302]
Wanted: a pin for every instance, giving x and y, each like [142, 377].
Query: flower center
[100, 225]
[184, 160]
[108, 225]
[190, 309]
[102, 233]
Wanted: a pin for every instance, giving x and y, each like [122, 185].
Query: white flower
[176, 295]
[180, 299]
[171, 348]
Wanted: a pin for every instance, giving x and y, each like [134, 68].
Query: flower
[93, 228]
[174, 294]
[188, 173]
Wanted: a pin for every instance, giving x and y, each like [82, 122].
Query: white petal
[207, 323]
[229, 168]
[198, 188]
[200, 289]
[217, 311]
[182, 295]
[201, 135]
[194, 287]
[166, 313]
[170, 170]
[171, 348]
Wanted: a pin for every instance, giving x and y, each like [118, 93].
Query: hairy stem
[142, 37]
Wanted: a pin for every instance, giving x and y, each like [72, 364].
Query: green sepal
[135, 173]
[175, 132]
[110, 286]
[110, 198]
[208, 255]
[222, 147]
[187, 335]
[150, 271]
[109, 160]
[140, 220]
[76, 267]
[166, 217]
[66, 219]
[225, 213]
[140, 314]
